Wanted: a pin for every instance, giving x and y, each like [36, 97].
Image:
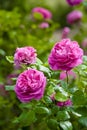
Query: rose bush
[62, 103]
[45, 96]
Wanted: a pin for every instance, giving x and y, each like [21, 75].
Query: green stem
[67, 78]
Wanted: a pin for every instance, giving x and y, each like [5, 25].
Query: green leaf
[47, 99]
[38, 61]
[50, 90]
[55, 109]
[42, 110]
[60, 89]
[83, 121]
[38, 16]
[82, 110]
[27, 105]
[10, 59]
[63, 115]
[85, 59]
[66, 125]
[85, 3]
[52, 124]
[26, 118]
[61, 97]
[2, 52]
[76, 114]
[45, 70]
[63, 84]
[9, 87]
[79, 98]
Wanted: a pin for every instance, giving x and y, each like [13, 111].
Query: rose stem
[67, 77]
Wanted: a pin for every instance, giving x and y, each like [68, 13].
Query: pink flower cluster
[74, 2]
[61, 104]
[66, 103]
[25, 55]
[44, 12]
[74, 16]
[30, 85]
[65, 55]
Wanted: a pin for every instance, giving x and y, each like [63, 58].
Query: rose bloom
[25, 55]
[74, 2]
[30, 85]
[44, 25]
[65, 55]
[74, 16]
[65, 32]
[65, 104]
[70, 73]
[44, 12]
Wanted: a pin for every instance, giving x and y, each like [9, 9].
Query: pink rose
[74, 16]
[74, 2]
[65, 55]
[44, 12]
[30, 85]
[65, 32]
[44, 25]
[25, 55]
[66, 103]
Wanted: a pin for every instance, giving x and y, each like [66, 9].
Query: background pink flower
[44, 25]
[70, 74]
[74, 16]
[84, 43]
[30, 85]
[65, 32]
[74, 2]
[65, 55]
[3, 92]
[44, 12]
[25, 55]
[9, 80]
